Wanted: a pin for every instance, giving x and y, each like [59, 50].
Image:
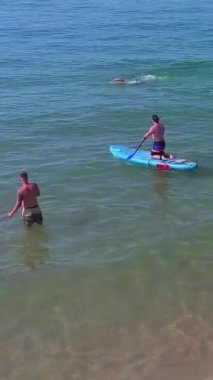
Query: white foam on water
[149, 77]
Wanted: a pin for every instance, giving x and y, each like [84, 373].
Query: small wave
[149, 78]
[142, 79]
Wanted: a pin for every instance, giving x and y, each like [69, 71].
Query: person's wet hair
[24, 176]
[155, 118]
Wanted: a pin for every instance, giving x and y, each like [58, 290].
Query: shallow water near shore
[118, 283]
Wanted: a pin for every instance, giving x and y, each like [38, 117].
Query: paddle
[131, 155]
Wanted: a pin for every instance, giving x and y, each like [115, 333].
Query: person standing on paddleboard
[157, 131]
[27, 199]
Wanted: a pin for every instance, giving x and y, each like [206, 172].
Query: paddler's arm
[38, 191]
[16, 206]
[149, 132]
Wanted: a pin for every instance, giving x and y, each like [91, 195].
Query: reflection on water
[161, 183]
[33, 247]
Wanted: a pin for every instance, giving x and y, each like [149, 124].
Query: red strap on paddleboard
[162, 166]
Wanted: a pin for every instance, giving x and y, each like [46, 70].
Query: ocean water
[118, 283]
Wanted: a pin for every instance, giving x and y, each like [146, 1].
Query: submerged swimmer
[119, 81]
[141, 80]
[157, 130]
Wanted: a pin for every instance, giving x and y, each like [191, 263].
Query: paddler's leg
[167, 156]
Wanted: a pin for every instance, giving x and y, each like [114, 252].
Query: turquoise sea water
[118, 283]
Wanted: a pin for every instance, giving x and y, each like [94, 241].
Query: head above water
[155, 118]
[23, 177]
[118, 81]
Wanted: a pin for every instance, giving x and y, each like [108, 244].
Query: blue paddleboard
[144, 158]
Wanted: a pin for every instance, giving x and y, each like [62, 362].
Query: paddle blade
[130, 156]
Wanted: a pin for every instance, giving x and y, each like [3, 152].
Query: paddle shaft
[131, 155]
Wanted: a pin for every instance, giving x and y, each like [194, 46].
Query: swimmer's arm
[37, 190]
[16, 206]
